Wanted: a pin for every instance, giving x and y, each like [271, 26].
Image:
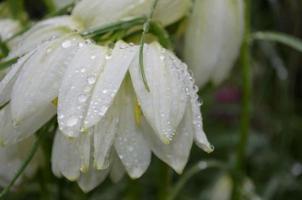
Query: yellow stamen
[138, 114]
[55, 102]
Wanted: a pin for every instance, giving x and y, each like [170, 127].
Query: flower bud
[213, 39]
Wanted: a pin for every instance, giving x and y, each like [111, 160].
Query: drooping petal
[99, 13]
[11, 159]
[6, 85]
[109, 81]
[90, 180]
[164, 105]
[175, 154]
[117, 171]
[77, 85]
[42, 32]
[213, 39]
[104, 135]
[130, 145]
[70, 156]
[194, 105]
[11, 133]
[39, 80]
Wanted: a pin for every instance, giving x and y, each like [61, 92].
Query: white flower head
[104, 109]
[213, 39]
[95, 13]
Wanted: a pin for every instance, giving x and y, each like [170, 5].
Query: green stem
[142, 43]
[200, 166]
[246, 104]
[165, 182]
[124, 24]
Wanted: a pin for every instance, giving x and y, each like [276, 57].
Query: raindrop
[66, 44]
[72, 121]
[91, 80]
[93, 57]
[82, 98]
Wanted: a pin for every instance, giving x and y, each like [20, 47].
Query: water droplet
[66, 44]
[83, 70]
[81, 45]
[105, 91]
[91, 80]
[93, 57]
[72, 121]
[108, 56]
[82, 98]
[162, 57]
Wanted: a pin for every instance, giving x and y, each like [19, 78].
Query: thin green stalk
[141, 50]
[22, 168]
[164, 182]
[200, 166]
[124, 24]
[245, 110]
[8, 63]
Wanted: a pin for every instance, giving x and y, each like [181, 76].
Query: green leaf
[8, 63]
[160, 32]
[285, 39]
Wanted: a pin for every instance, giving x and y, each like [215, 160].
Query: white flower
[103, 110]
[8, 27]
[213, 39]
[104, 106]
[11, 159]
[95, 13]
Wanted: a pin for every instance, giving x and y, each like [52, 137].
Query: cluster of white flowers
[109, 122]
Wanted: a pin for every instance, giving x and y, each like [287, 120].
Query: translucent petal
[77, 86]
[90, 180]
[130, 145]
[175, 154]
[11, 133]
[70, 156]
[11, 159]
[40, 78]
[42, 32]
[164, 105]
[109, 81]
[99, 13]
[117, 171]
[104, 135]
[6, 85]
[213, 39]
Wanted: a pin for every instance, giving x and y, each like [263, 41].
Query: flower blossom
[213, 39]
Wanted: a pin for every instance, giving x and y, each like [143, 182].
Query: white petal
[7, 83]
[99, 13]
[117, 169]
[11, 133]
[39, 80]
[109, 81]
[70, 156]
[78, 82]
[130, 145]
[104, 135]
[213, 39]
[42, 32]
[175, 154]
[13, 156]
[164, 105]
[92, 179]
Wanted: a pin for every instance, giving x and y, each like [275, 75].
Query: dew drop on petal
[66, 44]
[72, 121]
[82, 98]
[91, 80]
